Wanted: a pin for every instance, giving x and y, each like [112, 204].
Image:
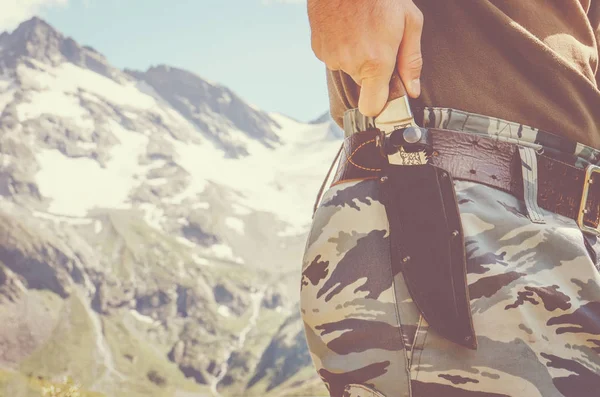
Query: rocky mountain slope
[151, 228]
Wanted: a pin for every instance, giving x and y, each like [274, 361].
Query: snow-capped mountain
[214, 109]
[151, 225]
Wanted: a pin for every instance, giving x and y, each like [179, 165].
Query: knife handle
[397, 112]
[397, 88]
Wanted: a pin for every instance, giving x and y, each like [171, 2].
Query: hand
[368, 39]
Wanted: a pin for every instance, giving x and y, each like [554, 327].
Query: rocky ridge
[151, 228]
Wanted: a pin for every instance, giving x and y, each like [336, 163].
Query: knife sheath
[427, 244]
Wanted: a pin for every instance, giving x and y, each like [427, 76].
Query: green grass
[136, 357]
[15, 384]
[70, 350]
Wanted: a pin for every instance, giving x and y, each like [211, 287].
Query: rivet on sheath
[383, 179]
[406, 259]
[444, 175]
[467, 338]
[412, 135]
[455, 233]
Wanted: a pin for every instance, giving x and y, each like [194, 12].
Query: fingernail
[415, 87]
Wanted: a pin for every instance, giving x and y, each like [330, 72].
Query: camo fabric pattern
[535, 301]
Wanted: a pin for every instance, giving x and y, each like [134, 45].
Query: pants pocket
[347, 297]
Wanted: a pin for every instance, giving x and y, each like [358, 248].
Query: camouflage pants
[535, 301]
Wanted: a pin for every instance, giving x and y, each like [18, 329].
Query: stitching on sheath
[366, 178]
[349, 157]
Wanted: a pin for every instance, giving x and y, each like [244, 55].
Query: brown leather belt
[490, 162]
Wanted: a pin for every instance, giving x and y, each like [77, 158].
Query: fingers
[375, 86]
[368, 40]
[410, 59]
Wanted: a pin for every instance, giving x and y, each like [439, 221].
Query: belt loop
[530, 183]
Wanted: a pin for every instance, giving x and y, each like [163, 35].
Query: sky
[258, 48]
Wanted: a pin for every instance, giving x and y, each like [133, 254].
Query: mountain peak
[36, 26]
[34, 38]
[325, 117]
[164, 69]
[199, 100]
[37, 39]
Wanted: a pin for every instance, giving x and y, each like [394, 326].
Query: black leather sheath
[427, 244]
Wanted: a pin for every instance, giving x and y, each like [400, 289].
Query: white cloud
[13, 12]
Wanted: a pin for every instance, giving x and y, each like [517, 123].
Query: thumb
[410, 59]
[374, 92]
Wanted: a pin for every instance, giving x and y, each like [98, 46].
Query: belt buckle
[590, 170]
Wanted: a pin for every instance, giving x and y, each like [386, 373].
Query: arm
[368, 40]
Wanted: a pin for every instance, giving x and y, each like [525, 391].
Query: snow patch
[97, 226]
[6, 94]
[225, 252]
[185, 242]
[157, 164]
[283, 180]
[200, 261]
[144, 319]
[156, 181]
[55, 103]
[235, 224]
[87, 145]
[130, 115]
[224, 99]
[196, 186]
[68, 78]
[62, 219]
[224, 311]
[292, 231]
[77, 185]
[153, 216]
[240, 209]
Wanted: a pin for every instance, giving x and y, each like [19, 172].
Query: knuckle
[416, 16]
[315, 46]
[372, 65]
[332, 61]
[347, 62]
[413, 63]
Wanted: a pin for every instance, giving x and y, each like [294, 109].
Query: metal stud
[412, 135]
[383, 179]
[406, 259]
[455, 233]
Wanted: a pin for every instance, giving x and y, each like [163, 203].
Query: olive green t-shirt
[530, 61]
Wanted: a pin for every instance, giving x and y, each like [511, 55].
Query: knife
[397, 115]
